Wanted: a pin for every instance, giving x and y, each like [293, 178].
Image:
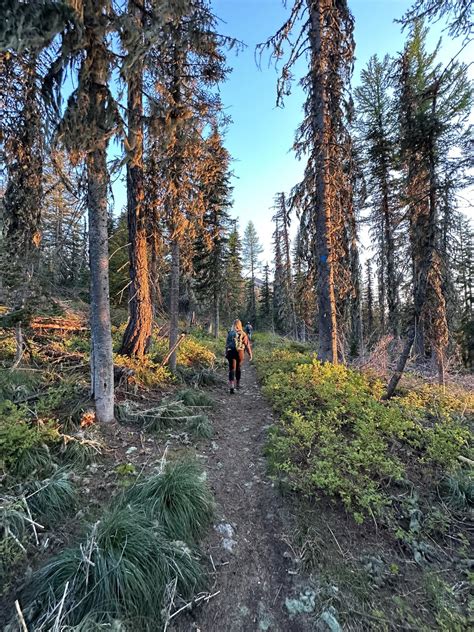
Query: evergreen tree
[434, 105]
[324, 196]
[23, 153]
[233, 284]
[185, 68]
[211, 248]
[137, 335]
[252, 249]
[286, 317]
[377, 143]
[265, 313]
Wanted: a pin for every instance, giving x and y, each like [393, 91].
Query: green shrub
[200, 427]
[338, 437]
[179, 498]
[120, 571]
[24, 444]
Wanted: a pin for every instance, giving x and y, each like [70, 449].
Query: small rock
[229, 544]
[328, 621]
[305, 603]
[225, 529]
[131, 450]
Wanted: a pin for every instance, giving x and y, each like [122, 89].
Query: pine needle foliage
[120, 571]
[178, 497]
[193, 397]
[458, 490]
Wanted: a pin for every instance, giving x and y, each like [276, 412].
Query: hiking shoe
[238, 386]
[231, 391]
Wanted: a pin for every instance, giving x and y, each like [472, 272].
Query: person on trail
[248, 330]
[236, 345]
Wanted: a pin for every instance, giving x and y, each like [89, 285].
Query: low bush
[338, 437]
[144, 372]
[24, 443]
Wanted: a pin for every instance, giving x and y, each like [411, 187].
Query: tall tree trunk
[101, 354]
[327, 315]
[137, 336]
[392, 294]
[174, 301]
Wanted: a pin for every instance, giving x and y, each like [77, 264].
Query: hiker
[248, 330]
[236, 344]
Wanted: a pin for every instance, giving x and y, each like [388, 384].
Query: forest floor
[250, 544]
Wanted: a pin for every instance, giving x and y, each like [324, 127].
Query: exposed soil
[254, 567]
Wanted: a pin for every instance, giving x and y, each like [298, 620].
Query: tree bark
[137, 336]
[174, 301]
[101, 354]
[327, 315]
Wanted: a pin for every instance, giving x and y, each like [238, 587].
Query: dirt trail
[255, 570]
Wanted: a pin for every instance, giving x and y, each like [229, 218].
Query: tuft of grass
[200, 427]
[119, 572]
[193, 397]
[79, 451]
[16, 384]
[178, 497]
[457, 489]
[52, 498]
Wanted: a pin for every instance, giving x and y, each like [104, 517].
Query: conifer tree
[22, 131]
[265, 312]
[252, 249]
[137, 335]
[211, 247]
[233, 284]
[434, 105]
[324, 196]
[377, 133]
[187, 65]
[287, 311]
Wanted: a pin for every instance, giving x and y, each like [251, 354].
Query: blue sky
[261, 135]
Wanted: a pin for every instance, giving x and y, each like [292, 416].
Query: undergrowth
[129, 558]
[338, 437]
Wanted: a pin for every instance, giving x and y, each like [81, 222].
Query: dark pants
[235, 359]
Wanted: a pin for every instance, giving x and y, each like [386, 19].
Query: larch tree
[252, 250]
[323, 196]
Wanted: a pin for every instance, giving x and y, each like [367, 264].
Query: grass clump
[178, 498]
[52, 498]
[200, 427]
[120, 571]
[457, 489]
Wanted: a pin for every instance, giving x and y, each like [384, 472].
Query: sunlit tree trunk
[327, 316]
[136, 339]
